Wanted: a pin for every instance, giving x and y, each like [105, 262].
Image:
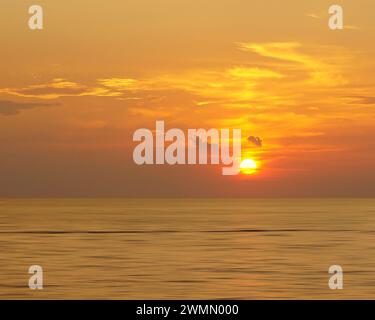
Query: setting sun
[248, 166]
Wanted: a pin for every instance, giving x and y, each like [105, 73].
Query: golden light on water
[248, 166]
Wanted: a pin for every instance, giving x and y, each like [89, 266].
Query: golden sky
[72, 94]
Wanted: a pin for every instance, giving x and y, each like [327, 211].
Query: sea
[187, 248]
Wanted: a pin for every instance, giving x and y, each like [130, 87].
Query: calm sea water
[187, 249]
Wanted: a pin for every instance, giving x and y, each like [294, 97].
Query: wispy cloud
[313, 15]
[58, 88]
[253, 73]
[278, 89]
[8, 108]
[362, 100]
[122, 83]
[319, 72]
[351, 27]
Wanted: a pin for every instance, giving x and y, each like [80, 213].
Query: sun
[248, 166]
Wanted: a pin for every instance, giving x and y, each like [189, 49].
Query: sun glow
[248, 166]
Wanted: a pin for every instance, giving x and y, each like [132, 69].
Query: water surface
[187, 249]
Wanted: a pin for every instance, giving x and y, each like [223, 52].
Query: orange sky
[72, 94]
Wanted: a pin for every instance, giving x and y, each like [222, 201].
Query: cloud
[8, 108]
[363, 99]
[252, 73]
[283, 74]
[313, 15]
[59, 88]
[319, 71]
[351, 27]
[255, 140]
[233, 87]
[121, 83]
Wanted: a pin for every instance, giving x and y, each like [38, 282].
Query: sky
[72, 95]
